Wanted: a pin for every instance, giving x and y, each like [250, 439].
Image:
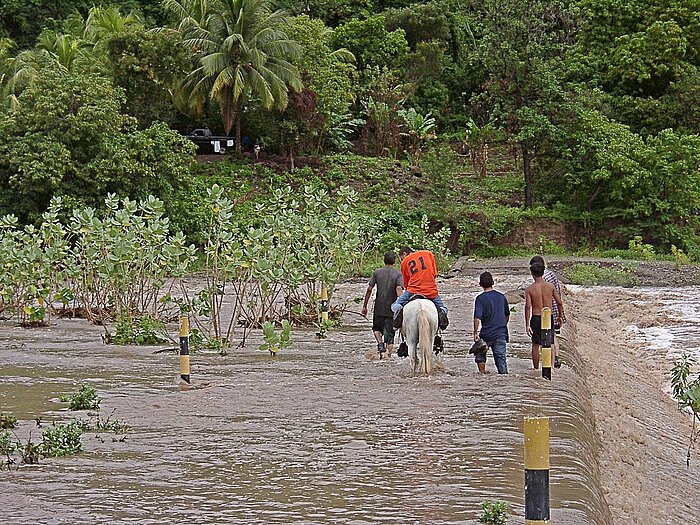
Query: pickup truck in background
[208, 143]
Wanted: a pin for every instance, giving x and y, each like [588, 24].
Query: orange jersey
[419, 271]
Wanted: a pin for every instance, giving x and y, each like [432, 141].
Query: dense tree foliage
[69, 138]
[594, 102]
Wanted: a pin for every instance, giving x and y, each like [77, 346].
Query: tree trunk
[238, 130]
[227, 110]
[527, 172]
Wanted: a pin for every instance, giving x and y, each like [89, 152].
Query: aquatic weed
[494, 512]
[7, 421]
[61, 439]
[85, 398]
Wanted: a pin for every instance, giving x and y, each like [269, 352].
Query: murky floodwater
[319, 434]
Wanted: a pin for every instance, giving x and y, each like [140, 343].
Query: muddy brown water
[319, 434]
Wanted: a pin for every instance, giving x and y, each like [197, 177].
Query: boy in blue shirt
[491, 316]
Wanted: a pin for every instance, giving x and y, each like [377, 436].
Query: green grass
[592, 275]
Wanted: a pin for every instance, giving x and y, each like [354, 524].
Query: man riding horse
[419, 272]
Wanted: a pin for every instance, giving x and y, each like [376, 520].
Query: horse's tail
[425, 341]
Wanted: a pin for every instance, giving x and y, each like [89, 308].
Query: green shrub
[7, 421]
[144, 330]
[641, 250]
[85, 398]
[276, 341]
[61, 439]
[686, 391]
[7, 447]
[679, 257]
[494, 512]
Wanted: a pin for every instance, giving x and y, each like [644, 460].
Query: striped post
[185, 348]
[324, 304]
[536, 430]
[546, 337]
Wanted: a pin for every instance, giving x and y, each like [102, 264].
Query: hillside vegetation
[566, 123]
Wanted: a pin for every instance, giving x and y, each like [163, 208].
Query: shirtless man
[538, 295]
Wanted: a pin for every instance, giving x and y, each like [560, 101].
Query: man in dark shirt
[491, 311]
[389, 283]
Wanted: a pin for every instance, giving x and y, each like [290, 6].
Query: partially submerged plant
[61, 439]
[106, 425]
[494, 512]
[85, 398]
[7, 421]
[323, 327]
[7, 448]
[687, 393]
[144, 330]
[276, 341]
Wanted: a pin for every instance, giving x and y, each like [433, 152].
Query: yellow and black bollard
[324, 304]
[546, 336]
[536, 430]
[185, 348]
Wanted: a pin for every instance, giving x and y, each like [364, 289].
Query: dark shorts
[383, 324]
[536, 327]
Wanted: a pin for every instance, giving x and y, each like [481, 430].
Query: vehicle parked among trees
[208, 143]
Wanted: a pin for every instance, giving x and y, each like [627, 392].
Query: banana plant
[419, 129]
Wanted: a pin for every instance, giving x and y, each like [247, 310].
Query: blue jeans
[498, 347]
[398, 304]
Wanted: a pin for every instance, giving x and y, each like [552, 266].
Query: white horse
[420, 324]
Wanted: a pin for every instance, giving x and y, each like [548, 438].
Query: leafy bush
[125, 258]
[7, 421]
[7, 448]
[679, 257]
[36, 265]
[494, 512]
[641, 250]
[85, 398]
[590, 274]
[143, 330]
[275, 265]
[276, 341]
[61, 439]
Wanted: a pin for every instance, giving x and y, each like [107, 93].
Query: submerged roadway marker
[546, 338]
[324, 304]
[536, 430]
[185, 348]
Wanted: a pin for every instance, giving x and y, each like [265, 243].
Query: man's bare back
[539, 294]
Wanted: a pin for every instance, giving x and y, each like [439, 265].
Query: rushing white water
[681, 334]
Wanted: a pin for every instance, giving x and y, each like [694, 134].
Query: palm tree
[63, 49]
[8, 99]
[103, 22]
[241, 51]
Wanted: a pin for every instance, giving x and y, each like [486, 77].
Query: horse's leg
[425, 341]
[412, 354]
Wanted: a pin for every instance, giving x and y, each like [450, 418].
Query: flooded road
[320, 434]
